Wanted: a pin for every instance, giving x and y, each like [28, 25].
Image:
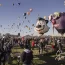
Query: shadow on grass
[49, 60]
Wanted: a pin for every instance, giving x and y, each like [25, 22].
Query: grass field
[45, 59]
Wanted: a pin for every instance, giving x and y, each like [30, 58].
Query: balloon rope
[53, 34]
[53, 30]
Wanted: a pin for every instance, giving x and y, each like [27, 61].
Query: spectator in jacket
[27, 56]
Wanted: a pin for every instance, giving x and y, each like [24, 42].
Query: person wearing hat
[27, 56]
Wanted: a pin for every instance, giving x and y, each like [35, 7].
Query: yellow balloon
[57, 14]
[45, 17]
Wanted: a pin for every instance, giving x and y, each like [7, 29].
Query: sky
[10, 14]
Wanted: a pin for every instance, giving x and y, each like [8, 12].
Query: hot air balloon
[59, 22]
[13, 4]
[26, 26]
[31, 9]
[28, 13]
[19, 24]
[0, 25]
[41, 26]
[19, 3]
[45, 17]
[28, 21]
[24, 14]
[32, 24]
[64, 2]
[0, 4]
[29, 28]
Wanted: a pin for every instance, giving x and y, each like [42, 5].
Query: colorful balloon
[59, 22]
[28, 13]
[31, 9]
[45, 17]
[41, 26]
[56, 15]
[0, 4]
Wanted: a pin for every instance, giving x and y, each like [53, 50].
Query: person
[55, 46]
[27, 56]
[41, 46]
[0, 51]
[59, 46]
[33, 44]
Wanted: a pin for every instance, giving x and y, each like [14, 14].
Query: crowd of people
[29, 44]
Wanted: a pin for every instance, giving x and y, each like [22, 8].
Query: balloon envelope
[24, 14]
[28, 13]
[60, 23]
[41, 26]
[0, 4]
[31, 9]
[45, 17]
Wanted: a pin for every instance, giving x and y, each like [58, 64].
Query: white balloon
[41, 27]
[50, 17]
